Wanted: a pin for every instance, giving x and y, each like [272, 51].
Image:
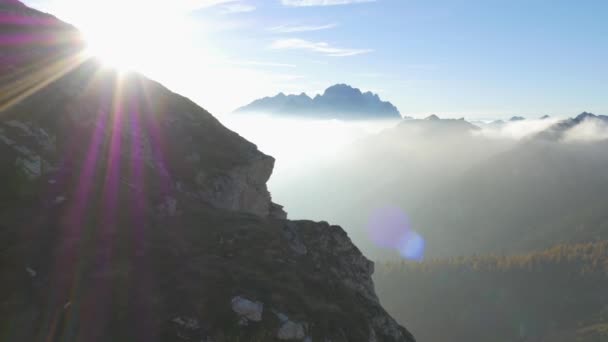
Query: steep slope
[340, 101]
[132, 214]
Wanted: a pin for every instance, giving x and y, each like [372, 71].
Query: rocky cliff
[129, 213]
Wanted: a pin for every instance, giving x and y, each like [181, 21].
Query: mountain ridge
[339, 101]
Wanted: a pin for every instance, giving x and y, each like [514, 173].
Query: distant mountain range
[587, 124]
[340, 101]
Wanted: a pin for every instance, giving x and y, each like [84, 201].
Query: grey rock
[295, 243]
[292, 331]
[188, 323]
[282, 317]
[31, 272]
[168, 207]
[247, 309]
[277, 212]
[241, 189]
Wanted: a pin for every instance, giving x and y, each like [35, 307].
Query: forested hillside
[553, 295]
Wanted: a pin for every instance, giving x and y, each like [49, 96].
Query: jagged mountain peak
[517, 118]
[560, 129]
[586, 115]
[435, 126]
[342, 89]
[340, 101]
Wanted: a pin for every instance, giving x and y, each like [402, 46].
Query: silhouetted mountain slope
[554, 295]
[337, 102]
[128, 213]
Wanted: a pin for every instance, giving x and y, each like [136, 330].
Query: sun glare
[133, 35]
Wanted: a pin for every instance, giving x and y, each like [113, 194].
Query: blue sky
[473, 58]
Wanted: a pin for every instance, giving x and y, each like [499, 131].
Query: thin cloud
[318, 47]
[199, 4]
[263, 64]
[308, 3]
[303, 28]
[238, 8]
[226, 6]
[516, 129]
[589, 130]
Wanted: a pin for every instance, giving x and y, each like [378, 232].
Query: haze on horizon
[478, 59]
[450, 177]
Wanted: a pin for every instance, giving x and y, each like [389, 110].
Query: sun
[131, 35]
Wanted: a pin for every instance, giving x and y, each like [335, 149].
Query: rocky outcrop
[129, 213]
[205, 275]
[175, 147]
[241, 189]
[175, 142]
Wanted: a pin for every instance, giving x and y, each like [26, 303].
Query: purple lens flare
[389, 227]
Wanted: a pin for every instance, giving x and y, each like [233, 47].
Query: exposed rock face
[242, 188]
[247, 310]
[204, 275]
[291, 331]
[174, 140]
[128, 213]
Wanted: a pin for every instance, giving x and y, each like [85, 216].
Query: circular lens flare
[389, 227]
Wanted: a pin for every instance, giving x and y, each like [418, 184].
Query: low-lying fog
[426, 188]
[297, 144]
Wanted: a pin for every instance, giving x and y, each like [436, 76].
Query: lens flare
[412, 246]
[389, 227]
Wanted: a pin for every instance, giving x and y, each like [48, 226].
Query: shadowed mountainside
[130, 213]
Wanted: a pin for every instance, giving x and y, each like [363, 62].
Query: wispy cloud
[516, 129]
[301, 28]
[263, 64]
[238, 8]
[59, 6]
[199, 4]
[227, 6]
[307, 3]
[588, 131]
[319, 47]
